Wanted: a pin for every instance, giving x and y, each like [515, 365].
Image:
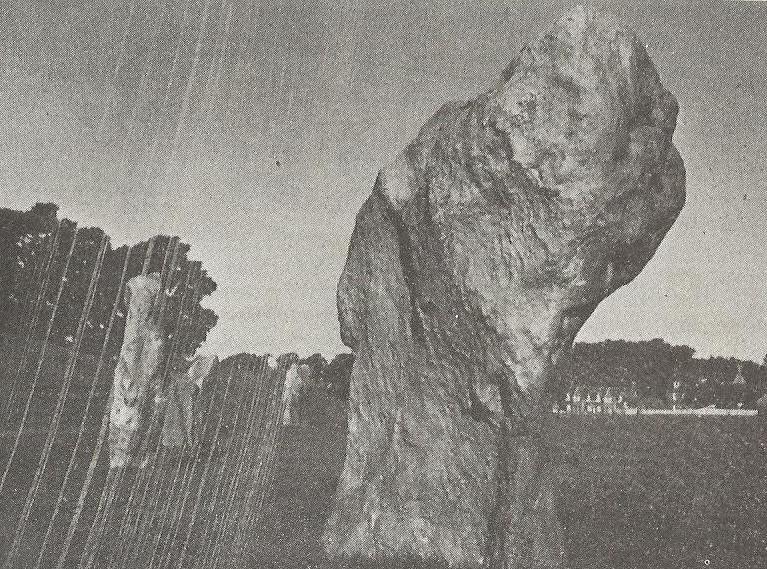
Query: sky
[254, 130]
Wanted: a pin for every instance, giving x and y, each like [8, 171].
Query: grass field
[637, 492]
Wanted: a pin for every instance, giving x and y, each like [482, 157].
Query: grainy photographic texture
[382, 284]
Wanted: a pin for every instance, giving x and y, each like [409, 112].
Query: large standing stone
[478, 256]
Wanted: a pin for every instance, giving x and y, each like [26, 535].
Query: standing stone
[178, 427]
[295, 381]
[136, 380]
[480, 253]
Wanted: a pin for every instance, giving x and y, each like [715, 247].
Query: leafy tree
[317, 364]
[337, 374]
[26, 240]
[288, 359]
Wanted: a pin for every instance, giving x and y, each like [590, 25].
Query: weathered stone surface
[180, 413]
[135, 381]
[476, 259]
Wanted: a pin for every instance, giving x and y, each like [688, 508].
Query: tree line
[645, 370]
[648, 370]
[47, 266]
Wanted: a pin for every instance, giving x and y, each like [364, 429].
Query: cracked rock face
[480, 253]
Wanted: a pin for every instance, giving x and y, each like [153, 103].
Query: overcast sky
[259, 147]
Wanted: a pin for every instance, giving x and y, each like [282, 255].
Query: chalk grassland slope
[650, 493]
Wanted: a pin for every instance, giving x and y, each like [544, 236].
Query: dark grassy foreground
[184, 506]
[637, 492]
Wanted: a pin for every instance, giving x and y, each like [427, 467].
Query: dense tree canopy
[47, 267]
